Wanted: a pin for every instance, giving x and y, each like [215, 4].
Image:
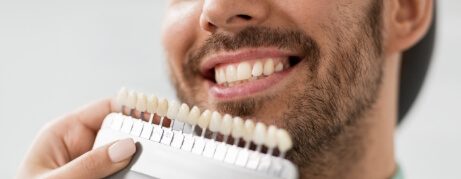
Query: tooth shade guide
[156, 119]
[194, 130]
[131, 101]
[223, 134]
[171, 123]
[173, 109]
[202, 132]
[141, 102]
[215, 122]
[168, 123]
[137, 114]
[183, 112]
[165, 122]
[125, 110]
[121, 99]
[277, 167]
[150, 118]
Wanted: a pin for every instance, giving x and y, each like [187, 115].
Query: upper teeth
[245, 70]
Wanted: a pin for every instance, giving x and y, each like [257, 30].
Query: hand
[62, 149]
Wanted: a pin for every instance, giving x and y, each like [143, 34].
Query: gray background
[56, 55]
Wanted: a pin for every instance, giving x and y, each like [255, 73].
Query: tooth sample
[231, 73]
[237, 129]
[284, 141]
[204, 121]
[183, 112]
[193, 116]
[248, 130]
[173, 108]
[152, 104]
[141, 102]
[268, 67]
[214, 126]
[215, 122]
[257, 69]
[226, 126]
[122, 97]
[131, 100]
[220, 75]
[225, 129]
[279, 67]
[244, 71]
[259, 136]
[271, 138]
[162, 107]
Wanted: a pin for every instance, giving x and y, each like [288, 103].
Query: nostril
[245, 17]
[210, 27]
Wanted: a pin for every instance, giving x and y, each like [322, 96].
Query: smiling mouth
[236, 75]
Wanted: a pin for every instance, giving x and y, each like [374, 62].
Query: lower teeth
[228, 84]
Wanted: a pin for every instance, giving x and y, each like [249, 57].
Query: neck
[371, 152]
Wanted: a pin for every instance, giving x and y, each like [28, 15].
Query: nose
[233, 15]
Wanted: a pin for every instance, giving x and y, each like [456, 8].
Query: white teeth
[162, 107]
[141, 103]
[268, 67]
[183, 112]
[284, 140]
[122, 96]
[215, 123]
[257, 69]
[226, 126]
[193, 116]
[247, 70]
[248, 130]
[231, 73]
[279, 67]
[244, 71]
[237, 127]
[220, 76]
[131, 100]
[152, 104]
[259, 136]
[204, 119]
[173, 108]
[271, 138]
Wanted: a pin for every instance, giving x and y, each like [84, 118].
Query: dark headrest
[415, 63]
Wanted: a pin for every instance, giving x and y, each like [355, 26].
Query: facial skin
[337, 98]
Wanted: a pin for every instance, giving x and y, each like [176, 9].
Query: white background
[56, 55]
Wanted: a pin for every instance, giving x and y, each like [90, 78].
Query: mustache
[253, 37]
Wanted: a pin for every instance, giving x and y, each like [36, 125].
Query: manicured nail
[122, 150]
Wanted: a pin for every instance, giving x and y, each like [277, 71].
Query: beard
[337, 87]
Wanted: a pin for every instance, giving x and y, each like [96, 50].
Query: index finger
[92, 115]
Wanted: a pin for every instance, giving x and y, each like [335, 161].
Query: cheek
[179, 34]
[315, 18]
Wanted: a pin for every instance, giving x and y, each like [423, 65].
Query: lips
[232, 75]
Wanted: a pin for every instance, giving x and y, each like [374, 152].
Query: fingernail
[121, 150]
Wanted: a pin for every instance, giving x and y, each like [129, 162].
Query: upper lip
[228, 57]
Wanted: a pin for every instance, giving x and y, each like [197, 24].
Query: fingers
[98, 163]
[92, 115]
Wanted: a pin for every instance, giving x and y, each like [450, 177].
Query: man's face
[313, 67]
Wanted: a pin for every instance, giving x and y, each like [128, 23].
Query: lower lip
[247, 88]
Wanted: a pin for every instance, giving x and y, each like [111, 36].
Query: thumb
[100, 162]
